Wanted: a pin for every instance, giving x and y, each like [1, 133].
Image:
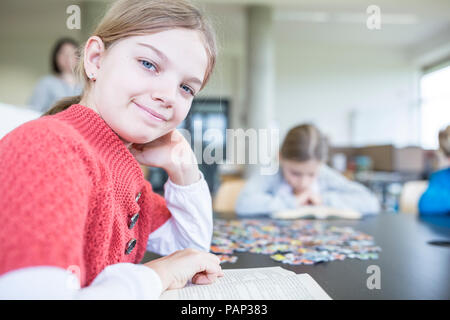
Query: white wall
[356, 95]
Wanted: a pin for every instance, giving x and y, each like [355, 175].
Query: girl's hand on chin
[171, 152]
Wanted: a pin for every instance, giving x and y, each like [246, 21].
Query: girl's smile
[152, 114]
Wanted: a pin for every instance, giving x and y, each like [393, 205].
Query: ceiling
[405, 24]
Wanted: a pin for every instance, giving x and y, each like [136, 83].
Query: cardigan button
[138, 196]
[133, 221]
[130, 246]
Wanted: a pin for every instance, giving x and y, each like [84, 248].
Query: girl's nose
[165, 94]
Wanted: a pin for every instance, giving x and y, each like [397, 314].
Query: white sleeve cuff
[118, 281]
[125, 281]
[191, 223]
[190, 188]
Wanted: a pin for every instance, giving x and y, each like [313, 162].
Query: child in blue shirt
[436, 199]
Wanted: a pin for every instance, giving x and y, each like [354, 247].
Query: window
[435, 108]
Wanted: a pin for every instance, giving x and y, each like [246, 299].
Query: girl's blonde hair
[127, 18]
[444, 141]
[304, 142]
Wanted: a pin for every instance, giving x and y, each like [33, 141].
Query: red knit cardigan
[68, 191]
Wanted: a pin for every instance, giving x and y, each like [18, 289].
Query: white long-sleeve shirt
[189, 227]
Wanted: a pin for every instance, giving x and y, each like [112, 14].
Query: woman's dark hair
[56, 48]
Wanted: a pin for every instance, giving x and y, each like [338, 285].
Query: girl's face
[300, 175]
[144, 85]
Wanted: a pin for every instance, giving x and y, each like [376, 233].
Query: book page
[253, 284]
[253, 274]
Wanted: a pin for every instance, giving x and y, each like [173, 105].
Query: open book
[274, 283]
[317, 212]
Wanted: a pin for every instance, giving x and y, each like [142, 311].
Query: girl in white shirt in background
[304, 179]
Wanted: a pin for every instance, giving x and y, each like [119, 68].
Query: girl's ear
[93, 51]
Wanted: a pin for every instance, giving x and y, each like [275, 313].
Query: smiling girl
[72, 194]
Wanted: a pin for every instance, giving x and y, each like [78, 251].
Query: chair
[410, 195]
[226, 196]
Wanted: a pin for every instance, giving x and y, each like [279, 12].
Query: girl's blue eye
[148, 64]
[187, 89]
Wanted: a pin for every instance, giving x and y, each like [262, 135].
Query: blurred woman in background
[436, 199]
[62, 82]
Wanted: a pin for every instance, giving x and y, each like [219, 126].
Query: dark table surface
[410, 267]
